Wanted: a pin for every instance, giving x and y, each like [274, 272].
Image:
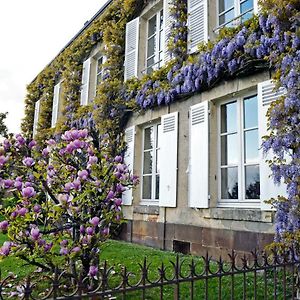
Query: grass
[119, 254]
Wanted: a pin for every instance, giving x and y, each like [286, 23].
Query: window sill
[239, 214]
[146, 209]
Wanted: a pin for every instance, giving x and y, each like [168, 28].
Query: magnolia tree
[66, 199]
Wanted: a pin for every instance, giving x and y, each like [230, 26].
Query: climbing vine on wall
[270, 41]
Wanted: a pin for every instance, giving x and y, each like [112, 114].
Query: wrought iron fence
[258, 276]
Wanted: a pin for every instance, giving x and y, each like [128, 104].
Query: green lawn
[120, 254]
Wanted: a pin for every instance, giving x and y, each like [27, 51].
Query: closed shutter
[36, 116]
[86, 69]
[198, 162]
[129, 161]
[131, 49]
[55, 104]
[168, 167]
[167, 30]
[266, 95]
[197, 23]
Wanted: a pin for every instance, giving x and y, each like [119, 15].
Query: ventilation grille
[269, 95]
[169, 124]
[198, 115]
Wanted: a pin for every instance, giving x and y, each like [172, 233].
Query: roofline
[86, 25]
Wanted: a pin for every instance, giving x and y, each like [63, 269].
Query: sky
[32, 32]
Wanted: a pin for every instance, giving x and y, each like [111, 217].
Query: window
[239, 155]
[99, 70]
[151, 164]
[155, 41]
[240, 10]
[92, 75]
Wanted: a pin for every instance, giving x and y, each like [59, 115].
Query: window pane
[246, 5]
[147, 186]
[149, 138]
[161, 19]
[229, 150]
[157, 187]
[227, 17]
[229, 117]
[148, 158]
[157, 161]
[250, 112]
[252, 187]
[151, 46]
[152, 26]
[229, 184]
[225, 4]
[251, 146]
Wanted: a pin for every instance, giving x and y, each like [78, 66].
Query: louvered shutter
[198, 162]
[86, 70]
[129, 160]
[55, 104]
[168, 168]
[197, 23]
[131, 49]
[36, 116]
[167, 30]
[268, 189]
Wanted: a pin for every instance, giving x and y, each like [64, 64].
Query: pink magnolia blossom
[28, 192]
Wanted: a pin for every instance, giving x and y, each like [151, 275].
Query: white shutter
[255, 6]
[197, 23]
[198, 162]
[86, 69]
[167, 30]
[55, 104]
[268, 189]
[131, 49]
[36, 116]
[168, 168]
[129, 160]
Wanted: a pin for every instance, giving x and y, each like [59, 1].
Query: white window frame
[159, 41]
[96, 58]
[153, 200]
[237, 13]
[241, 202]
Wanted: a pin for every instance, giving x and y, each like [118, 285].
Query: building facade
[203, 176]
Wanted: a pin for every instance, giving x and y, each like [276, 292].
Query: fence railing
[258, 276]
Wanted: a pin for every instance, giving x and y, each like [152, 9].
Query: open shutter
[86, 69]
[168, 168]
[266, 95]
[55, 104]
[255, 6]
[167, 30]
[131, 49]
[197, 23]
[36, 116]
[198, 162]
[129, 160]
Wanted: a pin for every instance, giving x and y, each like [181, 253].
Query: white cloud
[32, 33]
